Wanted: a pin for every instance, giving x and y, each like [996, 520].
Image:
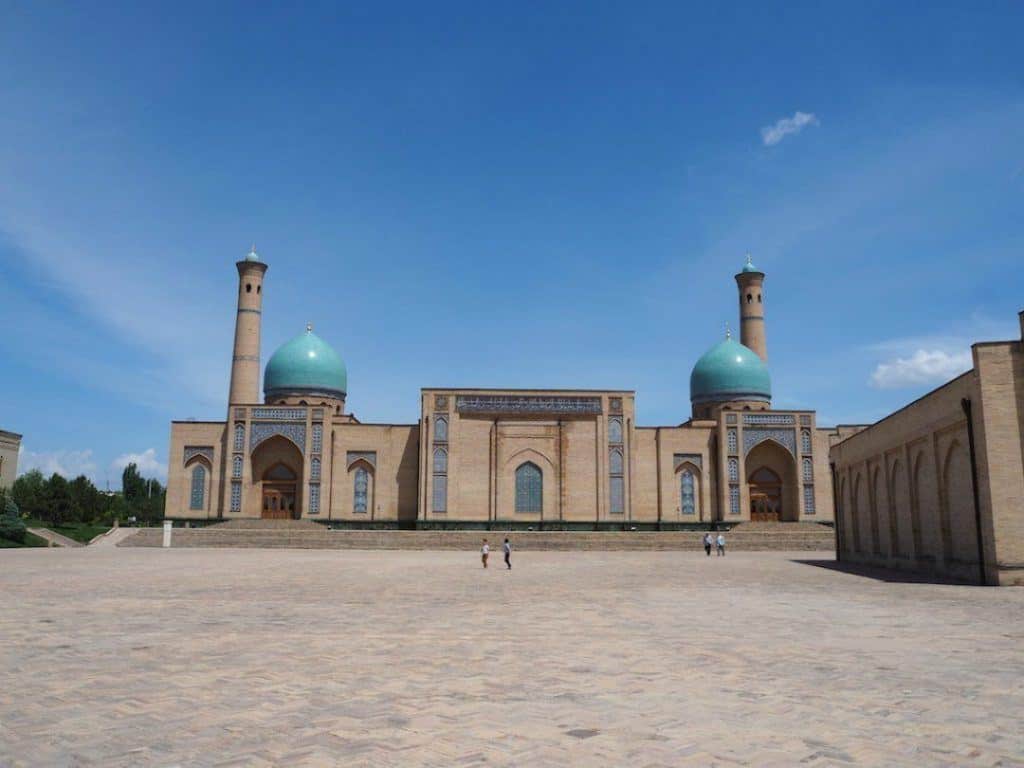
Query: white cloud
[924, 366]
[773, 134]
[70, 464]
[146, 462]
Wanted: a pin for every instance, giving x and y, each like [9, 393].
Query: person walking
[508, 554]
[721, 545]
[707, 544]
[485, 550]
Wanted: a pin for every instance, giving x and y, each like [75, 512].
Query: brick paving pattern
[143, 657]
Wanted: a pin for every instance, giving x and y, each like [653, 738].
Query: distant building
[498, 457]
[938, 486]
[10, 443]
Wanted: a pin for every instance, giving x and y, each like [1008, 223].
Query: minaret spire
[245, 359]
[750, 282]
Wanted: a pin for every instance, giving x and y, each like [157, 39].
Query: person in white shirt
[707, 544]
[721, 545]
[508, 554]
[485, 550]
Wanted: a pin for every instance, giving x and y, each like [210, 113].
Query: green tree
[12, 527]
[88, 502]
[59, 506]
[30, 492]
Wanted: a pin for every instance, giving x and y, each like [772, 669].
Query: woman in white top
[485, 550]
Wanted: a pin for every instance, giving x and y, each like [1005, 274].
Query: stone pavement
[143, 657]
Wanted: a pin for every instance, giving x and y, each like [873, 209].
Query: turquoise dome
[730, 371]
[749, 267]
[306, 365]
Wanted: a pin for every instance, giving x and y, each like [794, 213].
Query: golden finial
[309, 327]
[750, 261]
[728, 333]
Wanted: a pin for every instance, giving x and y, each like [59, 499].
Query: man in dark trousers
[508, 554]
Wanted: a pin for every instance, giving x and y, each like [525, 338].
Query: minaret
[750, 282]
[245, 362]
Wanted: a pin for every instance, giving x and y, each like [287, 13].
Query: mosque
[498, 458]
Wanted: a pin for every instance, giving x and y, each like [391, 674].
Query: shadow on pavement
[878, 573]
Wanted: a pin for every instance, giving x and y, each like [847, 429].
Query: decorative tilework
[734, 470]
[681, 458]
[236, 497]
[263, 430]
[361, 490]
[687, 493]
[318, 438]
[808, 470]
[236, 466]
[369, 457]
[318, 413]
[548, 405]
[805, 420]
[615, 404]
[731, 440]
[730, 418]
[197, 500]
[191, 451]
[239, 413]
[440, 402]
[768, 418]
[734, 499]
[783, 437]
[615, 430]
[617, 495]
[529, 488]
[440, 429]
[239, 437]
[293, 414]
[805, 441]
[440, 493]
[314, 469]
[808, 499]
[314, 498]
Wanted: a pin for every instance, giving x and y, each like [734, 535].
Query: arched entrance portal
[765, 495]
[772, 483]
[277, 469]
[280, 493]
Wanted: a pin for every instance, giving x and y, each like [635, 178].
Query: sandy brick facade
[938, 486]
[10, 443]
[499, 458]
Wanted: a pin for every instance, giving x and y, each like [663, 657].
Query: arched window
[529, 488]
[734, 470]
[615, 462]
[236, 466]
[614, 430]
[805, 441]
[198, 495]
[361, 489]
[808, 470]
[750, 298]
[314, 469]
[732, 441]
[441, 429]
[687, 492]
[239, 437]
[440, 461]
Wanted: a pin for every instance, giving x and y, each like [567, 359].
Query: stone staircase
[305, 534]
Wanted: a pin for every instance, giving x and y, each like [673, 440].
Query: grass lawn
[31, 540]
[83, 532]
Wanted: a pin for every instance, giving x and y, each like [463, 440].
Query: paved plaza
[120, 657]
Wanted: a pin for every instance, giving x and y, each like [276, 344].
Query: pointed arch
[689, 484]
[529, 488]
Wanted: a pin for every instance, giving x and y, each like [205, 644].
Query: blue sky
[534, 195]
